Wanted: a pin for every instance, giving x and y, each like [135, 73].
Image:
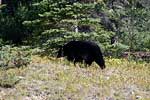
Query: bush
[14, 56]
[8, 80]
[117, 49]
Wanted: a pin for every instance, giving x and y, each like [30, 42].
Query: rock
[138, 97]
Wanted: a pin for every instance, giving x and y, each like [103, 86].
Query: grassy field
[55, 79]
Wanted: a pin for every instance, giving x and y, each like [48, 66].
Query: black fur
[78, 51]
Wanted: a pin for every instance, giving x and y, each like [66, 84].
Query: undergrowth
[58, 79]
[14, 56]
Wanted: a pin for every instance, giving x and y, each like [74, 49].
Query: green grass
[55, 79]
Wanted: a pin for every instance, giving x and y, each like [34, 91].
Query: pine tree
[60, 21]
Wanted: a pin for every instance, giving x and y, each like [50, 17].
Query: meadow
[32, 32]
[49, 78]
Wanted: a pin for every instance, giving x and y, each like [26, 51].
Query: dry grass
[55, 79]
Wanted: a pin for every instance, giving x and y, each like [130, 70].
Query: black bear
[78, 51]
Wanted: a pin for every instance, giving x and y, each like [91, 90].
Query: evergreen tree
[132, 18]
[60, 21]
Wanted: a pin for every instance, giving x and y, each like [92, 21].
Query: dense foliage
[14, 56]
[116, 25]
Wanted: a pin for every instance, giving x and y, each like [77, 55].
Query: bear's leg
[69, 58]
[88, 59]
[77, 59]
[88, 62]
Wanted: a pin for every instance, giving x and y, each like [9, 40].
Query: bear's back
[81, 45]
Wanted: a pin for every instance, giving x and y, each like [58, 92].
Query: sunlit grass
[50, 78]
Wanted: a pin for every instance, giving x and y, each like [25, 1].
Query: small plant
[14, 56]
[8, 80]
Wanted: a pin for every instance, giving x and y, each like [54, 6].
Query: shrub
[8, 80]
[14, 56]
